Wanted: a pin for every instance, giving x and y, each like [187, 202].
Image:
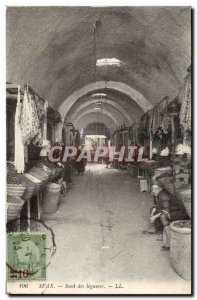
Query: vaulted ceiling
[55, 50]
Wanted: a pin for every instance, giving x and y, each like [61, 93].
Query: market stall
[28, 168]
[179, 185]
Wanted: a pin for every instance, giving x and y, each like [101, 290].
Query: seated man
[165, 209]
[155, 210]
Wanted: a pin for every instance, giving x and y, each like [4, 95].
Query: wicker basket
[11, 167]
[38, 183]
[29, 192]
[14, 207]
[180, 248]
[51, 198]
[30, 186]
[187, 205]
[39, 174]
[16, 190]
[42, 166]
[185, 197]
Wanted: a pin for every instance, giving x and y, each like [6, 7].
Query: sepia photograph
[98, 150]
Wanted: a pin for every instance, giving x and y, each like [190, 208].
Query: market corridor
[98, 230]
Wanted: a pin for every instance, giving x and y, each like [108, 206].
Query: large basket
[38, 183]
[51, 198]
[180, 248]
[30, 187]
[42, 166]
[16, 190]
[39, 173]
[11, 167]
[14, 207]
[162, 170]
[187, 205]
[185, 197]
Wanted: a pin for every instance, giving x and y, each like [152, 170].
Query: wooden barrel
[16, 190]
[180, 247]
[51, 197]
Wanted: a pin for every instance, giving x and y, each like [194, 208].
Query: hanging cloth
[155, 124]
[26, 120]
[36, 133]
[40, 107]
[34, 118]
[19, 161]
[188, 116]
[159, 114]
[135, 133]
[185, 112]
[165, 124]
[166, 121]
[45, 121]
[150, 122]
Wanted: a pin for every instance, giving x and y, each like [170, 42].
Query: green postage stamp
[26, 256]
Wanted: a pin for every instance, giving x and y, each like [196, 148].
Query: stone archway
[105, 102]
[121, 87]
[88, 111]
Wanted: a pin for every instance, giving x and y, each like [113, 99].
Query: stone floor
[98, 233]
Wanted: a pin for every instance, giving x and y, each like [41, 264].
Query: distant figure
[107, 157]
[80, 165]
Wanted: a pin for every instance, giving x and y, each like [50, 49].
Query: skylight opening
[108, 62]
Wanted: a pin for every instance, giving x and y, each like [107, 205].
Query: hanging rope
[94, 46]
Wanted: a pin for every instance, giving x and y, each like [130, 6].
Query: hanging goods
[159, 114]
[165, 124]
[166, 120]
[45, 121]
[185, 112]
[36, 133]
[150, 123]
[19, 161]
[26, 120]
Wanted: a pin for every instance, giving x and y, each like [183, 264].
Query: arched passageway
[100, 76]
[103, 85]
